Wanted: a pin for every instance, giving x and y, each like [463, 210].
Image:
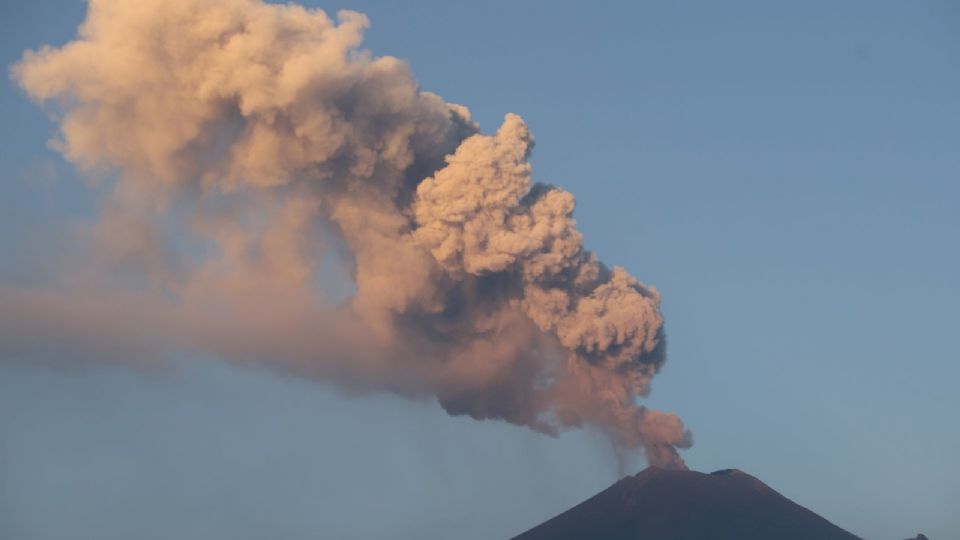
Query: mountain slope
[680, 505]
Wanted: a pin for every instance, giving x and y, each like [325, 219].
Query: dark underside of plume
[679, 505]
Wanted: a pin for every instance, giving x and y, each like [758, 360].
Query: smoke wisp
[249, 146]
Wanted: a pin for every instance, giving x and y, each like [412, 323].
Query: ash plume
[246, 145]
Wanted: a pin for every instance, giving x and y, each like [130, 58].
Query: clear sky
[786, 175]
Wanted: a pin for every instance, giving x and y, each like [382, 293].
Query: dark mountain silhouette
[660, 504]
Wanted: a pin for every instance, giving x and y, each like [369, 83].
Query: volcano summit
[685, 505]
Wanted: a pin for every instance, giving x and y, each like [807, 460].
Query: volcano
[659, 504]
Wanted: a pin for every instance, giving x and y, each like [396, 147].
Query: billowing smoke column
[239, 137]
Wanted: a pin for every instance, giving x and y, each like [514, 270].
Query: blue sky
[787, 176]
